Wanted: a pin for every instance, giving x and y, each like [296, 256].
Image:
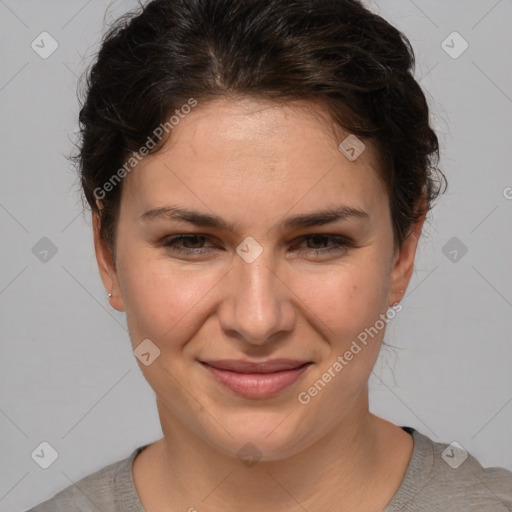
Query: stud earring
[109, 295]
[396, 303]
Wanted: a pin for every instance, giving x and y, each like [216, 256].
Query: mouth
[256, 380]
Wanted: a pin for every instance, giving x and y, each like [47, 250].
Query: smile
[256, 380]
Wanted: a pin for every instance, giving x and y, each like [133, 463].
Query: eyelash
[341, 244]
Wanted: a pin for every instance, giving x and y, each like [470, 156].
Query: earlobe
[106, 266]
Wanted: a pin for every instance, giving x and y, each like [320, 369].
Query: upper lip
[241, 366]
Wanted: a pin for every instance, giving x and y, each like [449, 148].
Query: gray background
[67, 373]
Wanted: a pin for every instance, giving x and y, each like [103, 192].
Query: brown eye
[320, 244]
[319, 240]
[192, 244]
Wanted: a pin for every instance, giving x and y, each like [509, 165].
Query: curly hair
[334, 52]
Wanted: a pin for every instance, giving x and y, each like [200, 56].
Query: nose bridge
[257, 300]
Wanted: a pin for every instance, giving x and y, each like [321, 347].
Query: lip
[256, 380]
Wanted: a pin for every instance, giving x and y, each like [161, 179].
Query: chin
[263, 436]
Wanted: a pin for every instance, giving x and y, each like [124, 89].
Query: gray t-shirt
[439, 477]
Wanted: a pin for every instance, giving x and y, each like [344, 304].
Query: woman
[259, 174]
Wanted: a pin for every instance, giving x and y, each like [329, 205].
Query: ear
[106, 265]
[403, 262]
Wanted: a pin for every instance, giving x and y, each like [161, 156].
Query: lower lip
[257, 385]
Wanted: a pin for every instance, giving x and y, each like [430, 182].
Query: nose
[256, 305]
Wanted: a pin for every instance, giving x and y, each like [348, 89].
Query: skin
[255, 163]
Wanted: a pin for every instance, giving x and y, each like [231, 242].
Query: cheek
[168, 303]
[344, 300]
[348, 306]
[163, 302]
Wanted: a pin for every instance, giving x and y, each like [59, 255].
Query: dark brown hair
[334, 52]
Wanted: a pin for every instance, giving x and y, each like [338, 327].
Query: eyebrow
[318, 218]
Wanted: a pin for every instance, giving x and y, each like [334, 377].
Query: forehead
[226, 149]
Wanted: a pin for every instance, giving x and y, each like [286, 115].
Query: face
[251, 237]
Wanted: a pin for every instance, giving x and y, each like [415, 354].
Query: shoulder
[102, 490]
[443, 476]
